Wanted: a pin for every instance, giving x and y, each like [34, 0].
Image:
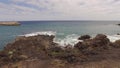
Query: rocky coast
[41, 51]
[10, 23]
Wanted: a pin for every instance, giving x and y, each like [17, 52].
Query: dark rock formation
[26, 47]
[84, 37]
[92, 46]
[41, 51]
[100, 40]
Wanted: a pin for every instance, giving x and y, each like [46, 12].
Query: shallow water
[64, 29]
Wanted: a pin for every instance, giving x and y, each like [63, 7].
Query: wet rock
[84, 37]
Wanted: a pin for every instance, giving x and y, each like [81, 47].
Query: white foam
[68, 40]
[113, 38]
[40, 33]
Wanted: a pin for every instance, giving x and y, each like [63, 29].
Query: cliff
[41, 52]
[10, 23]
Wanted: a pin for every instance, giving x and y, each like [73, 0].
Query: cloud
[60, 10]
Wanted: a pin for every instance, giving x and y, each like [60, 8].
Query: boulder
[84, 37]
[92, 46]
[100, 40]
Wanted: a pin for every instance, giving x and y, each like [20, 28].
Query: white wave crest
[40, 33]
[68, 40]
[113, 38]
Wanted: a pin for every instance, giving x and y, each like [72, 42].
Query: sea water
[66, 32]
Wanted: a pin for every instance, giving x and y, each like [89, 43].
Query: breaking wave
[69, 39]
[113, 38]
[40, 33]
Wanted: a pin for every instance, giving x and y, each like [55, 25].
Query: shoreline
[36, 48]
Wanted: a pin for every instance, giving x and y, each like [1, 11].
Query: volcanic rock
[92, 46]
[41, 51]
[84, 37]
[26, 47]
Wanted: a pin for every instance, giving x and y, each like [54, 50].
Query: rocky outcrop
[41, 51]
[10, 23]
[84, 37]
[92, 46]
[26, 48]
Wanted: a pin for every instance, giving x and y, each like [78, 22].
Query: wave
[113, 38]
[69, 39]
[40, 33]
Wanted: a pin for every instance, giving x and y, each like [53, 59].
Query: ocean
[66, 31]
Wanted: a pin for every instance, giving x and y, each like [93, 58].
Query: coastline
[33, 49]
[10, 23]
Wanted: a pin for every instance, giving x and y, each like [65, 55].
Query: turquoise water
[63, 28]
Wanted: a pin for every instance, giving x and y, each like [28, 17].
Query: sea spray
[71, 39]
[40, 33]
[113, 38]
[68, 40]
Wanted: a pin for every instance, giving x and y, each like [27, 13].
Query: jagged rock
[91, 46]
[81, 46]
[84, 37]
[28, 47]
[43, 49]
[100, 40]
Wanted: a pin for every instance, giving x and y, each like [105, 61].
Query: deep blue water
[63, 28]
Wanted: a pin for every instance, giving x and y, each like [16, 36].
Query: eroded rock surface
[41, 51]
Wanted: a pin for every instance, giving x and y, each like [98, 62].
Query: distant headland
[10, 23]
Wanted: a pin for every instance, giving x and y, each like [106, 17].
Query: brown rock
[92, 46]
[116, 44]
[100, 40]
[84, 37]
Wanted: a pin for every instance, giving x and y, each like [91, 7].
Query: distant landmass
[10, 23]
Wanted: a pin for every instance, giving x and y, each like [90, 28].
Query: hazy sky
[59, 9]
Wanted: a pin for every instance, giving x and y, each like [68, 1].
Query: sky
[24, 10]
